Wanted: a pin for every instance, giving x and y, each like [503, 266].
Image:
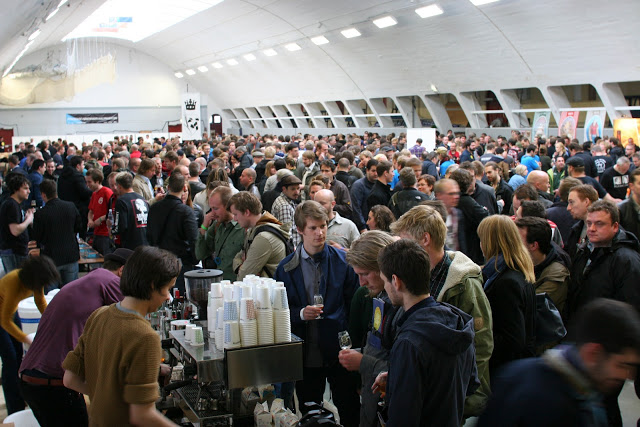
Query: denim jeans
[102, 244]
[68, 273]
[11, 262]
[11, 354]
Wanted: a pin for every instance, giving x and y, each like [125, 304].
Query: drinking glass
[318, 301]
[344, 340]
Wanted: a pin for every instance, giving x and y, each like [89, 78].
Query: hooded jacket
[629, 217]
[552, 277]
[606, 272]
[73, 188]
[261, 252]
[463, 289]
[432, 338]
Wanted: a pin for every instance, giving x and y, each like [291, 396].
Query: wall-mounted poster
[568, 124]
[191, 122]
[594, 124]
[541, 123]
[627, 130]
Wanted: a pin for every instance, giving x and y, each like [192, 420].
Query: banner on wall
[627, 129]
[568, 124]
[541, 123]
[83, 119]
[594, 124]
[191, 121]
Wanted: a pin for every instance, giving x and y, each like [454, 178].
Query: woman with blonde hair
[508, 284]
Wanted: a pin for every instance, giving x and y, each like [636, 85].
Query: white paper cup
[198, 336]
[263, 297]
[216, 290]
[231, 311]
[227, 292]
[189, 335]
[178, 325]
[247, 309]
[231, 335]
[280, 300]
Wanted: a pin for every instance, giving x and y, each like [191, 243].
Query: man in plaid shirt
[285, 205]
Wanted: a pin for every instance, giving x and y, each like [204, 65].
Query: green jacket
[555, 177]
[223, 241]
[463, 289]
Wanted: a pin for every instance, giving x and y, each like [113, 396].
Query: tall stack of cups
[215, 302]
[219, 334]
[231, 317]
[264, 315]
[248, 323]
[281, 315]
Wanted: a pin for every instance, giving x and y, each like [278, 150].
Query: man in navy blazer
[316, 268]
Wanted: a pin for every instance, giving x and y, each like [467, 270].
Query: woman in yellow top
[36, 273]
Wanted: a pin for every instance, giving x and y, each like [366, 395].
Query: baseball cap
[575, 161]
[120, 255]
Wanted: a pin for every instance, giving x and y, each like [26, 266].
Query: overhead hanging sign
[541, 123]
[568, 124]
[191, 122]
[594, 124]
[83, 119]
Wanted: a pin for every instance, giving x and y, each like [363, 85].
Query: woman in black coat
[509, 279]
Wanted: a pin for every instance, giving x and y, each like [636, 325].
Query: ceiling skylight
[179, 75]
[217, 65]
[320, 40]
[137, 20]
[292, 47]
[350, 33]
[232, 61]
[270, 52]
[249, 57]
[190, 72]
[481, 2]
[203, 69]
[429, 11]
[385, 21]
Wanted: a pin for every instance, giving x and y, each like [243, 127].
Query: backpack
[288, 244]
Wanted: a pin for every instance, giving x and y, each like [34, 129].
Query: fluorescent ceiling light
[384, 22]
[270, 52]
[35, 34]
[190, 72]
[203, 69]
[179, 75]
[249, 57]
[232, 61]
[429, 11]
[481, 2]
[320, 40]
[216, 65]
[350, 33]
[292, 47]
[137, 20]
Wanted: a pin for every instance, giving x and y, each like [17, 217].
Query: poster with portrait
[627, 130]
[191, 121]
[541, 123]
[568, 124]
[594, 124]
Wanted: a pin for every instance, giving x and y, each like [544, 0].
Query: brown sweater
[118, 355]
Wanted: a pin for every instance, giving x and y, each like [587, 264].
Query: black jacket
[73, 188]
[54, 229]
[485, 195]
[504, 192]
[513, 306]
[380, 195]
[472, 215]
[607, 272]
[559, 214]
[432, 338]
[629, 218]
[172, 226]
[346, 179]
[571, 244]
[405, 199]
[430, 168]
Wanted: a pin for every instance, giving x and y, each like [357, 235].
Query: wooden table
[88, 255]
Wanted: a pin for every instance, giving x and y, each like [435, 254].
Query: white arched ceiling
[505, 45]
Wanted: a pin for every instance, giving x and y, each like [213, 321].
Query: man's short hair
[309, 209]
[566, 185]
[251, 172]
[75, 161]
[49, 188]
[438, 205]
[96, 175]
[526, 192]
[419, 220]
[124, 180]
[407, 177]
[176, 182]
[531, 148]
[245, 201]
[413, 161]
[605, 206]
[364, 251]
[16, 181]
[538, 230]
[614, 325]
[148, 269]
[37, 164]
[408, 261]
[635, 174]
[194, 169]
[224, 192]
[464, 178]
[329, 164]
[371, 163]
[383, 166]
[171, 156]
[533, 208]
[344, 163]
[586, 191]
[146, 165]
[308, 154]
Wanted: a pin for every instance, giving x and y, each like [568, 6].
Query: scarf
[492, 269]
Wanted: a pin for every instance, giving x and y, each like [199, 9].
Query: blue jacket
[359, 192]
[338, 285]
[433, 338]
[36, 180]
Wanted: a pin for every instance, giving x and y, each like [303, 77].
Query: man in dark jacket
[472, 215]
[342, 173]
[428, 165]
[359, 193]
[607, 267]
[433, 353]
[503, 191]
[630, 208]
[558, 212]
[316, 268]
[381, 192]
[409, 196]
[72, 187]
[338, 188]
[172, 226]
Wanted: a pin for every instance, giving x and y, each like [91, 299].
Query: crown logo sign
[190, 104]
